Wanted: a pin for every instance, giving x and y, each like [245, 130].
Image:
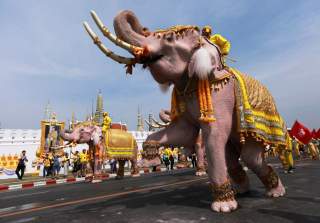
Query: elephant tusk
[131, 48]
[105, 50]
[161, 124]
[152, 125]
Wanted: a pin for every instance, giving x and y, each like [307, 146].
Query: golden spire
[98, 116]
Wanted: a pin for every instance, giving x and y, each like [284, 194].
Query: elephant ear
[96, 135]
[200, 64]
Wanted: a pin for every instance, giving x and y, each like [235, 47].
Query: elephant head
[82, 134]
[168, 54]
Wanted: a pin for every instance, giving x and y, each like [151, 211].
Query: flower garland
[174, 108]
[205, 101]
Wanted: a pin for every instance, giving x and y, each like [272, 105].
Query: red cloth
[301, 132]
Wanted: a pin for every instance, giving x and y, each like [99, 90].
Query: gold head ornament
[178, 29]
[206, 31]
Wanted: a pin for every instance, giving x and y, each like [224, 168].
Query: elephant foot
[273, 184]
[224, 206]
[201, 173]
[224, 200]
[278, 191]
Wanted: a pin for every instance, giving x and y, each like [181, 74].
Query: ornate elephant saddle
[257, 113]
[119, 144]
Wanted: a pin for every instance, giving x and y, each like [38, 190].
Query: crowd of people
[53, 163]
[170, 156]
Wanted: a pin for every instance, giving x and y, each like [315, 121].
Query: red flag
[317, 134]
[314, 133]
[301, 132]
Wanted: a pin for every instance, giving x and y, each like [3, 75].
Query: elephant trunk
[128, 28]
[164, 115]
[66, 136]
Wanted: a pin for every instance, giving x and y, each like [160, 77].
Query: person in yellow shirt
[46, 165]
[106, 122]
[165, 157]
[217, 39]
[83, 161]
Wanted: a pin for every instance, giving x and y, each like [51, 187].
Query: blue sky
[45, 54]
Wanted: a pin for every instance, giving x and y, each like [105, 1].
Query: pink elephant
[182, 57]
[95, 138]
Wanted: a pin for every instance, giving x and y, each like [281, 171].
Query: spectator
[194, 160]
[21, 165]
[56, 165]
[171, 158]
[84, 162]
[113, 165]
[46, 165]
[166, 160]
[65, 164]
[76, 164]
[50, 172]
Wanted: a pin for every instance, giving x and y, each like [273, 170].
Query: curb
[49, 182]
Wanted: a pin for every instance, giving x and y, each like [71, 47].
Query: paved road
[164, 197]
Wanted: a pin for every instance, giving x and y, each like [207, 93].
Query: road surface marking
[23, 195]
[101, 197]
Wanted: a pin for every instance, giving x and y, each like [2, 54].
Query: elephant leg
[252, 155]
[180, 133]
[134, 167]
[216, 136]
[120, 172]
[239, 177]
[200, 153]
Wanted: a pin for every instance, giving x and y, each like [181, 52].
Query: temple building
[140, 134]
[13, 141]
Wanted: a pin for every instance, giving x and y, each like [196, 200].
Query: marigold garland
[205, 101]
[174, 107]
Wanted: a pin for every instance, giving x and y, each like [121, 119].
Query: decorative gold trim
[271, 180]
[150, 149]
[223, 192]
